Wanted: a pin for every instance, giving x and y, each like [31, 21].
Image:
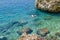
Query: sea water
[25, 11]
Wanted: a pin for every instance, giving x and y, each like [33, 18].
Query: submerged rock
[30, 37]
[3, 38]
[48, 5]
[53, 38]
[25, 30]
[58, 34]
[11, 24]
[8, 33]
[43, 31]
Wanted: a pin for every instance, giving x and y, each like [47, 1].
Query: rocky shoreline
[48, 5]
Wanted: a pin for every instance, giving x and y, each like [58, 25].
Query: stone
[48, 5]
[3, 38]
[58, 34]
[25, 30]
[42, 31]
[24, 36]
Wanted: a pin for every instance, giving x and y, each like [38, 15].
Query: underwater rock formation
[24, 36]
[48, 5]
[11, 24]
[58, 34]
[53, 38]
[24, 30]
[3, 38]
[43, 31]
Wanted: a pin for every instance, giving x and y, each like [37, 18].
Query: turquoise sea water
[22, 11]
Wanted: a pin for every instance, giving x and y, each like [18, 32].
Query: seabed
[23, 16]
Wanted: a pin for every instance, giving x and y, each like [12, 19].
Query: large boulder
[24, 30]
[48, 5]
[43, 31]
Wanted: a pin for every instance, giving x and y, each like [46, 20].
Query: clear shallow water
[22, 10]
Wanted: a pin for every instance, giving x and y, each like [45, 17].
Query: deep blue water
[12, 11]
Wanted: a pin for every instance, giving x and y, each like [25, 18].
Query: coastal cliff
[48, 5]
